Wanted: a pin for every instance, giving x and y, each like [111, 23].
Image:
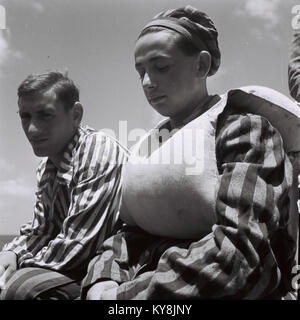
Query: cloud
[266, 10]
[32, 4]
[16, 202]
[17, 195]
[16, 188]
[5, 167]
[22, 186]
[37, 6]
[6, 51]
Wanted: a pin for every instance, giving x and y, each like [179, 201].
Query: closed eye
[46, 116]
[162, 68]
[41, 116]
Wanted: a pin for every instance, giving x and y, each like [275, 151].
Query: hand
[105, 290]
[8, 265]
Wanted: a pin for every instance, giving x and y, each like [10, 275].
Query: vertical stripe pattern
[77, 205]
[247, 255]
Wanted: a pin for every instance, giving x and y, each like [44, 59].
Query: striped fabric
[294, 87]
[248, 254]
[294, 67]
[40, 284]
[77, 206]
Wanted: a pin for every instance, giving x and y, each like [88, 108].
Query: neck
[57, 158]
[201, 106]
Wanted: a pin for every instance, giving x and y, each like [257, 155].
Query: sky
[94, 41]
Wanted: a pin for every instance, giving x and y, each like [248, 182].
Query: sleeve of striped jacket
[236, 259]
[294, 67]
[93, 209]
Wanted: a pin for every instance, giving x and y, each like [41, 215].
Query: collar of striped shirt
[64, 173]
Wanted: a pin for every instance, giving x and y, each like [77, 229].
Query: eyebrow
[43, 107]
[45, 111]
[153, 59]
[40, 112]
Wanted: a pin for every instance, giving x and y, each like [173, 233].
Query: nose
[148, 82]
[33, 129]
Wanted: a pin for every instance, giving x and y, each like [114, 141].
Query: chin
[165, 114]
[161, 110]
[40, 153]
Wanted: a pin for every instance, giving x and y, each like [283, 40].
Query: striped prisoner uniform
[247, 255]
[77, 207]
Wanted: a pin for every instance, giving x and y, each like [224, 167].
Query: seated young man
[294, 87]
[221, 231]
[77, 198]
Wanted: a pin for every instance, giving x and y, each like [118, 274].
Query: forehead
[155, 44]
[39, 101]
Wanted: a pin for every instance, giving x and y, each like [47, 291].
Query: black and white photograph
[150, 150]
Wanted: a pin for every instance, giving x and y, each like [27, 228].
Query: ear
[203, 63]
[77, 112]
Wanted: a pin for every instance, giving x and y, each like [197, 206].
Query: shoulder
[234, 125]
[93, 138]
[97, 146]
[248, 136]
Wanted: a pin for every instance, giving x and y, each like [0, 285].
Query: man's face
[168, 76]
[46, 123]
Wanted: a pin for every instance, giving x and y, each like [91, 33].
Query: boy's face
[168, 76]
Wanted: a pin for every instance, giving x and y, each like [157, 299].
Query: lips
[37, 141]
[156, 99]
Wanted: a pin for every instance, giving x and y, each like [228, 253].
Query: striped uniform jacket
[77, 205]
[294, 79]
[247, 255]
[294, 67]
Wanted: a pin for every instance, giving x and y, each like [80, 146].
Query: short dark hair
[186, 46]
[65, 89]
